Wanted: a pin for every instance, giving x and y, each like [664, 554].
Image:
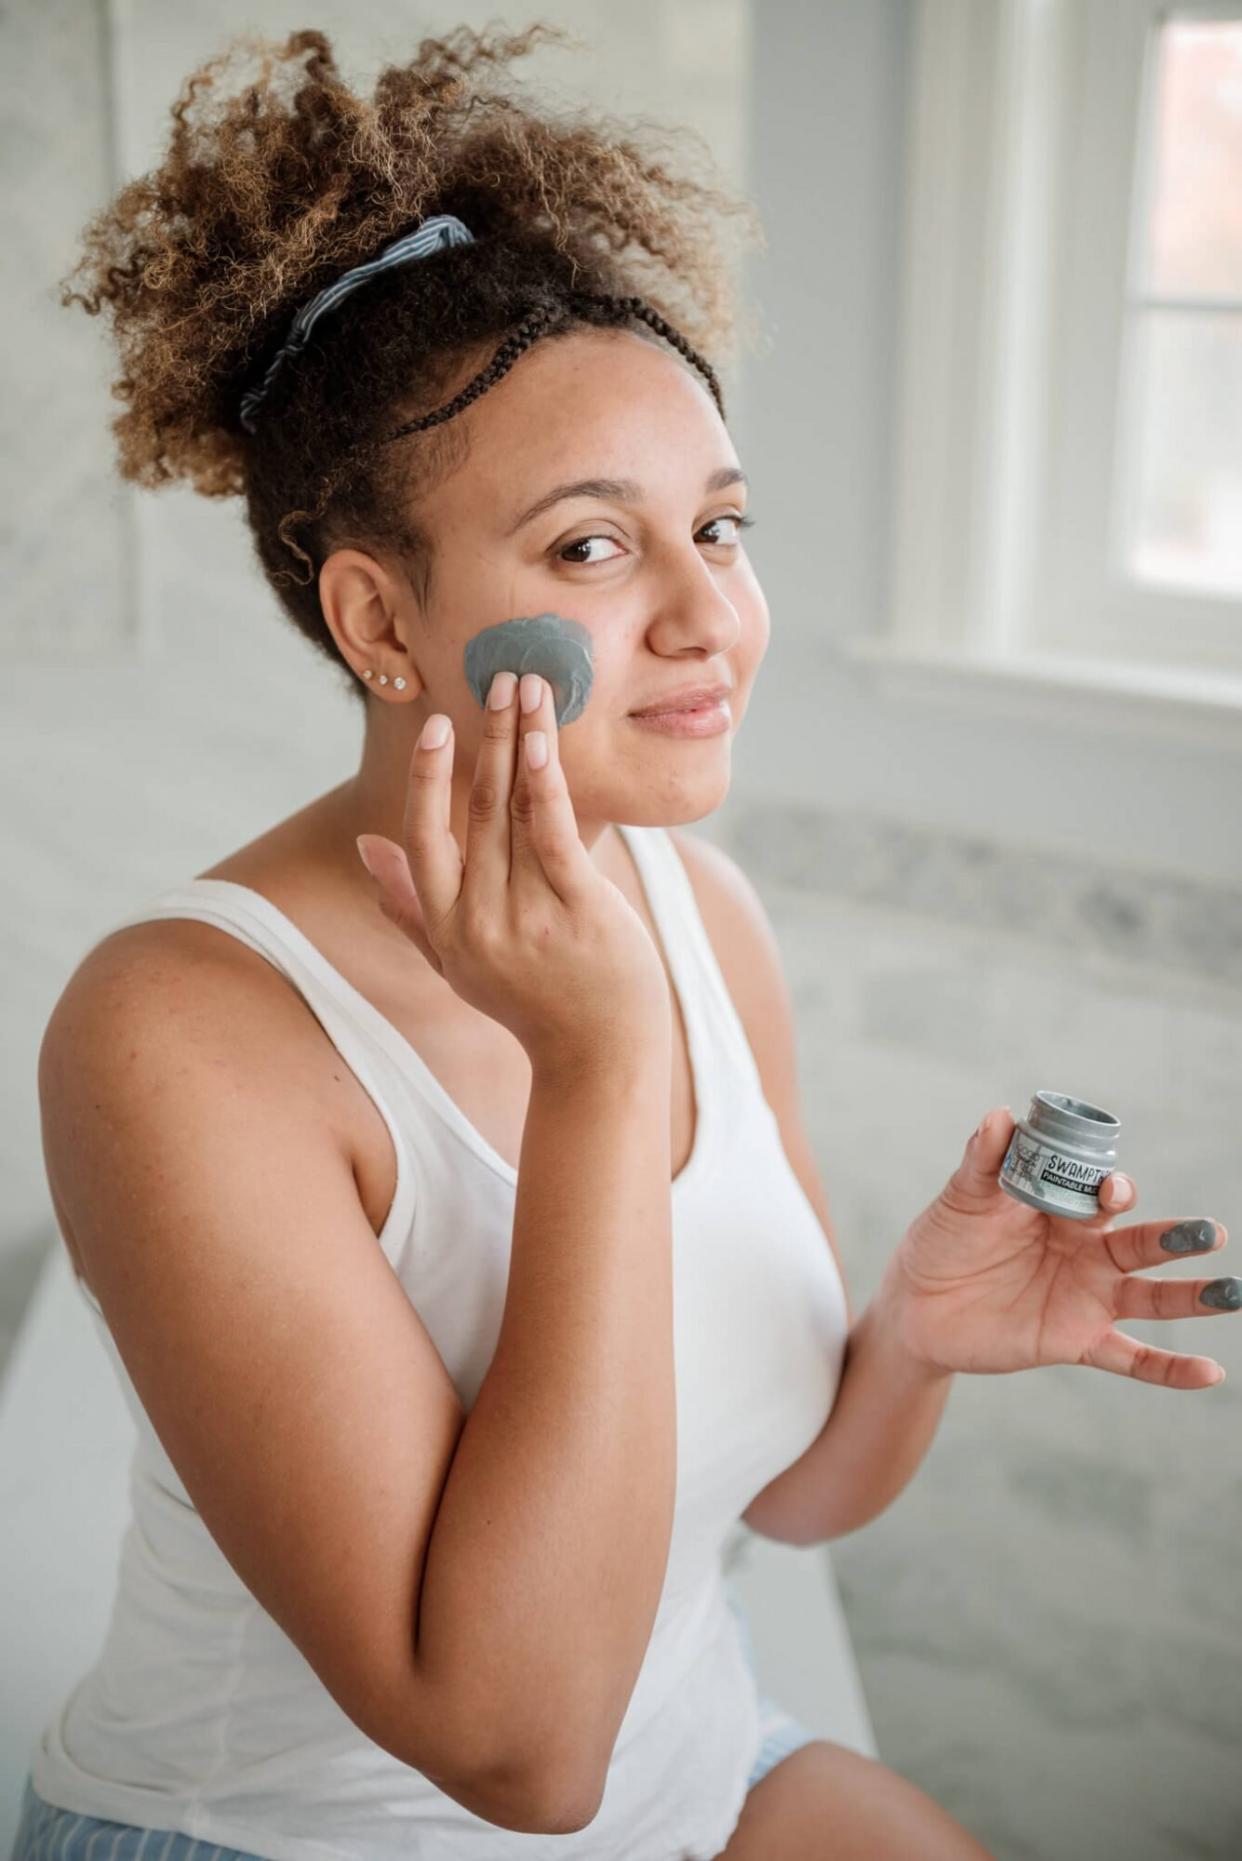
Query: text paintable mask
[557, 649]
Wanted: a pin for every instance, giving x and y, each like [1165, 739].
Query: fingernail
[1122, 1186]
[435, 732]
[362, 855]
[1189, 1237]
[981, 1127]
[532, 691]
[500, 697]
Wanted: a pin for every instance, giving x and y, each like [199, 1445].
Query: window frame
[1015, 340]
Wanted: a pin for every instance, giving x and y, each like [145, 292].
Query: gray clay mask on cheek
[557, 649]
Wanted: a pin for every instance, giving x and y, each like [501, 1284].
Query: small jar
[1059, 1155]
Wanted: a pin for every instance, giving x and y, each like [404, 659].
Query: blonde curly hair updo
[272, 188]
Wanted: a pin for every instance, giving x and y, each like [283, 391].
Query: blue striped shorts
[45, 1833]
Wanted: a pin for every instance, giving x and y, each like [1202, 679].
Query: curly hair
[269, 191]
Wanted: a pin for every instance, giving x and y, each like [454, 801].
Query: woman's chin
[674, 805]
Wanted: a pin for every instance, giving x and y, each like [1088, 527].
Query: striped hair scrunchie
[443, 230]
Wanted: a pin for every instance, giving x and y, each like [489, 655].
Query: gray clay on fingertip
[1226, 1294]
[1189, 1237]
[557, 649]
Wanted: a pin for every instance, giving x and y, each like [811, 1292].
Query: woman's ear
[366, 610]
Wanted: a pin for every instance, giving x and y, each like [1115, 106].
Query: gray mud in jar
[1059, 1155]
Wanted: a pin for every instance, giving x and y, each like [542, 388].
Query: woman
[425, 1556]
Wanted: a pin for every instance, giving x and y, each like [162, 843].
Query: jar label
[1068, 1173]
[1049, 1175]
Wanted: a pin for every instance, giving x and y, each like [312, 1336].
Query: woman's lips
[708, 720]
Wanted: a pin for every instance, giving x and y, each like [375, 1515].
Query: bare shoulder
[744, 942]
[170, 994]
[178, 980]
[715, 875]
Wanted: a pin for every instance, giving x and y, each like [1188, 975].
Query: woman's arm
[475, 1590]
[547, 1562]
[882, 1423]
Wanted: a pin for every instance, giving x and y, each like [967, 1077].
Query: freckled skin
[1189, 1237]
[556, 648]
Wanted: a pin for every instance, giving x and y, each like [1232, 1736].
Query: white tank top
[201, 1715]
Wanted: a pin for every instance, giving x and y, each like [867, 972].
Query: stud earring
[398, 684]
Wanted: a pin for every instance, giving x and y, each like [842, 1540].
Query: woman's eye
[562, 554]
[743, 523]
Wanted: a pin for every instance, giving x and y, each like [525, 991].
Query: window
[1068, 493]
[1179, 499]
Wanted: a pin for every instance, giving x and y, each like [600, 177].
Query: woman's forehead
[646, 421]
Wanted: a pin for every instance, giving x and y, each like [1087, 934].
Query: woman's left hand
[981, 1282]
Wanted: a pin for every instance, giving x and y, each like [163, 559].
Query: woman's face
[656, 571]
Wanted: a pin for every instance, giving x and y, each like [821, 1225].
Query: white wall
[828, 165]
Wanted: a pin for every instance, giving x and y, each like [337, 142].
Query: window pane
[1186, 513]
[1195, 228]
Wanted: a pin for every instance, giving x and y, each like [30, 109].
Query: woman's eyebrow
[623, 490]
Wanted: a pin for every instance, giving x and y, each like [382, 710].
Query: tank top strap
[255, 921]
[719, 1045]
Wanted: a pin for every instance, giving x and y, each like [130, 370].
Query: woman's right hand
[525, 927]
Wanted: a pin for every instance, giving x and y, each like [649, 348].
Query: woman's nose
[696, 609]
